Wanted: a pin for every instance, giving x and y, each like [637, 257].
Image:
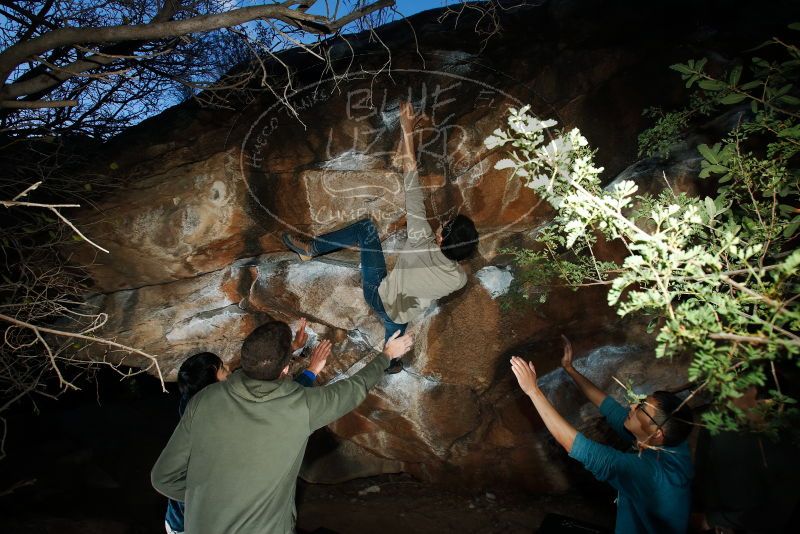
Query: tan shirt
[422, 273]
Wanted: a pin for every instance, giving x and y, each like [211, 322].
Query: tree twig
[54, 208]
[38, 329]
[37, 104]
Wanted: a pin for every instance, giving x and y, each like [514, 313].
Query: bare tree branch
[22, 51]
[74, 335]
[758, 340]
[37, 104]
[54, 209]
[37, 82]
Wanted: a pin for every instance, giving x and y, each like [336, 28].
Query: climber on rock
[654, 480]
[427, 267]
[236, 453]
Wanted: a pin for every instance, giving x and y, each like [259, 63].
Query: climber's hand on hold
[407, 116]
[300, 337]
[398, 345]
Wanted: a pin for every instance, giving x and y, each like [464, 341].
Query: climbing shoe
[295, 246]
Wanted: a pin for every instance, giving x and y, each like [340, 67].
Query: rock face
[196, 261]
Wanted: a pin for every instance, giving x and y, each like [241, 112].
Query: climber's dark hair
[675, 422]
[266, 351]
[197, 372]
[459, 238]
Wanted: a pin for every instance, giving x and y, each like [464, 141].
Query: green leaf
[791, 263]
[680, 67]
[87, 186]
[709, 153]
[794, 26]
[789, 99]
[783, 90]
[794, 131]
[711, 208]
[712, 85]
[735, 75]
[750, 85]
[733, 98]
[790, 230]
[651, 326]
[708, 170]
[114, 166]
[764, 64]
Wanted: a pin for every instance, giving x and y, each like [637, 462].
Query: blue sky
[408, 7]
[405, 7]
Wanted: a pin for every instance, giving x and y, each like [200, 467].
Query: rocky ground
[395, 504]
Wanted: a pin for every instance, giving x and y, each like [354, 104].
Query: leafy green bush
[720, 273]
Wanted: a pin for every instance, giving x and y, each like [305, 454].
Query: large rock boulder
[196, 261]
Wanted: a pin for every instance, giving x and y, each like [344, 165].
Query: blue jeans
[373, 267]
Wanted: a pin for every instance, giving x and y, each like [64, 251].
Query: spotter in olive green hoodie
[236, 452]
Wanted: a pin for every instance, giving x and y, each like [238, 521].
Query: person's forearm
[558, 426]
[330, 402]
[595, 395]
[407, 155]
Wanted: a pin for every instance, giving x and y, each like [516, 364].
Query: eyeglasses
[639, 407]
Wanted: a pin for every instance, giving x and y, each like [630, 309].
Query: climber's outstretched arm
[408, 157]
[416, 221]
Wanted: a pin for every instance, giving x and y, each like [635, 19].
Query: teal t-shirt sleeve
[615, 414]
[606, 463]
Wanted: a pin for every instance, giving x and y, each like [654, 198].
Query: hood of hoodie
[250, 389]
